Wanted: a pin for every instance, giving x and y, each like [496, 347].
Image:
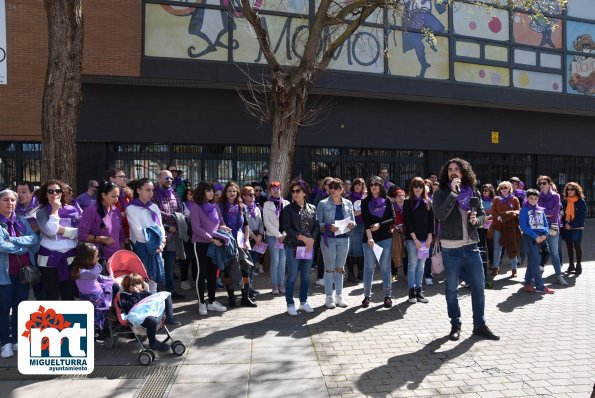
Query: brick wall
[112, 46]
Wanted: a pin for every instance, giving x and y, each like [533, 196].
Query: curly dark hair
[376, 181]
[490, 189]
[223, 197]
[42, 193]
[468, 177]
[303, 185]
[577, 188]
[200, 193]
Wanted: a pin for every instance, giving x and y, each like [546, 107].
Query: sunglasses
[375, 184]
[248, 194]
[543, 183]
[418, 186]
[167, 178]
[334, 187]
[122, 176]
[570, 189]
[95, 186]
[173, 171]
[296, 191]
[54, 191]
[275, 188]
[486, 190]
[258, 190]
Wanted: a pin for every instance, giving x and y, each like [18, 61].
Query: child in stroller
[133, 294]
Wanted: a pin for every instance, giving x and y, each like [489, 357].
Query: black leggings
[53, 288]
[150, 323]
[189, 262]
[578, 249]
[207, 272]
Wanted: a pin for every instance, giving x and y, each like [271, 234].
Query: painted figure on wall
[582, 67]
[544, 25]
[418, 15]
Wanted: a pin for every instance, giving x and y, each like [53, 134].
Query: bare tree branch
[261, 35]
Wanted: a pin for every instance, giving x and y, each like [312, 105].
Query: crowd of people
[218, 235]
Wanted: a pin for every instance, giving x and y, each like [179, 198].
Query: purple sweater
[203, 227]
[89, 281]
[552, 205]
[90, 222]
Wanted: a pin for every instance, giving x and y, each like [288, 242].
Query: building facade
[511, 93]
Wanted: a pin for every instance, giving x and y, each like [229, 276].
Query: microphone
[457, 187]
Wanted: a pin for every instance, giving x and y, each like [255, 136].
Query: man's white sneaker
[202, 308]
[320, 282]
[6, 351]
[185, 285]
[329, 302]
[291, 310]
[216, 306]
[562, 281]
[306, 308]
[340, 303]
[429, 281]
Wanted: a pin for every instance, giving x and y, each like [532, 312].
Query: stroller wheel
[145, 358]
[152, 353]
[178, 348]
[109, 343]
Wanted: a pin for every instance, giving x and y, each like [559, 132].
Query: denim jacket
[15, 245]
[326, 209]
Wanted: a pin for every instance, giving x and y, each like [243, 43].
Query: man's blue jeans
[468, 259]
[294, 267]
[169, 261]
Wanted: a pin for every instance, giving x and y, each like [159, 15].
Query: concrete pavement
[546, 348]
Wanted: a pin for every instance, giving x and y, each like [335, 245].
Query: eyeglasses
[275, 188]
[296, 191]
[54, 191]
[334, 187]
[167, 178]
[122, 176]
[248, 194]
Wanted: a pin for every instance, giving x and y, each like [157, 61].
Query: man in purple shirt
[166, 198]
[89, 197]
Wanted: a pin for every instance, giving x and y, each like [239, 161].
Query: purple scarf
[11, 222]
[535, 208]
[507, 199]
[211, 211]
[252, 209]
[418, 202]
[387, 184]
[377, 207]
[234, 219]
[139, 203]
[355, 196]
[67, 211]
[278, 202]
[24, 212]
[464, 196]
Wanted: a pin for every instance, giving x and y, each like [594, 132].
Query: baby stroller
[124, 262]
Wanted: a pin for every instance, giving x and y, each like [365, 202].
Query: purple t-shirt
[85, 200]
[90, 225]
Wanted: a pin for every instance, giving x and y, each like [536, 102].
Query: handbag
[29, 274]
[437, 264]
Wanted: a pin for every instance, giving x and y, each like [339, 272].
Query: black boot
[419, 296]
[455, 332]
[579, 269]
[350, 271]
[232, 298]
[246, 301]
[571, 268]
[412, 298]
[360, 268]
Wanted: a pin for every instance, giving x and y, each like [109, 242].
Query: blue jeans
[468, 259]
[498, 252]
[415, 269]
[384, 263]
[169, 261]
[533, 259]
[10, 298]
[294, 267]
[334, 255]
[277, 263]
[355, 241]
[553, 243]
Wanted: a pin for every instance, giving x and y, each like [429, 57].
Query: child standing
[133, 293]
[535, 230]
[92, 286]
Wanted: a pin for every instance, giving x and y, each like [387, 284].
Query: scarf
[418, 202]
[507, 199]
[67, 211]
[24, 211]
[387, 184]
[278, 202]
[252, 209]
[377, 207]
[235, 219]
[139, 203]
[464, 196]
[211, 211]
[11, 222]
[535, 208]
[569, 213]
[355, 196]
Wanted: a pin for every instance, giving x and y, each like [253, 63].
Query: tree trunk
[288, 113]
[62, 91]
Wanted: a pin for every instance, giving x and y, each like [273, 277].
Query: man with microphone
[458, 208]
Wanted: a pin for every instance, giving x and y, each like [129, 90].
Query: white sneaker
[306, 308]
[216, 306]
[429, 281]
[291, 310]
[340, 303]
[329, 302]
[260, 270]
[559, 280]
[6, 351]
[320, 282]
[185, 285]
[202, 308]
[15, 347]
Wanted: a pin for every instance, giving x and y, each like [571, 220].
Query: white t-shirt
[140, 218]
